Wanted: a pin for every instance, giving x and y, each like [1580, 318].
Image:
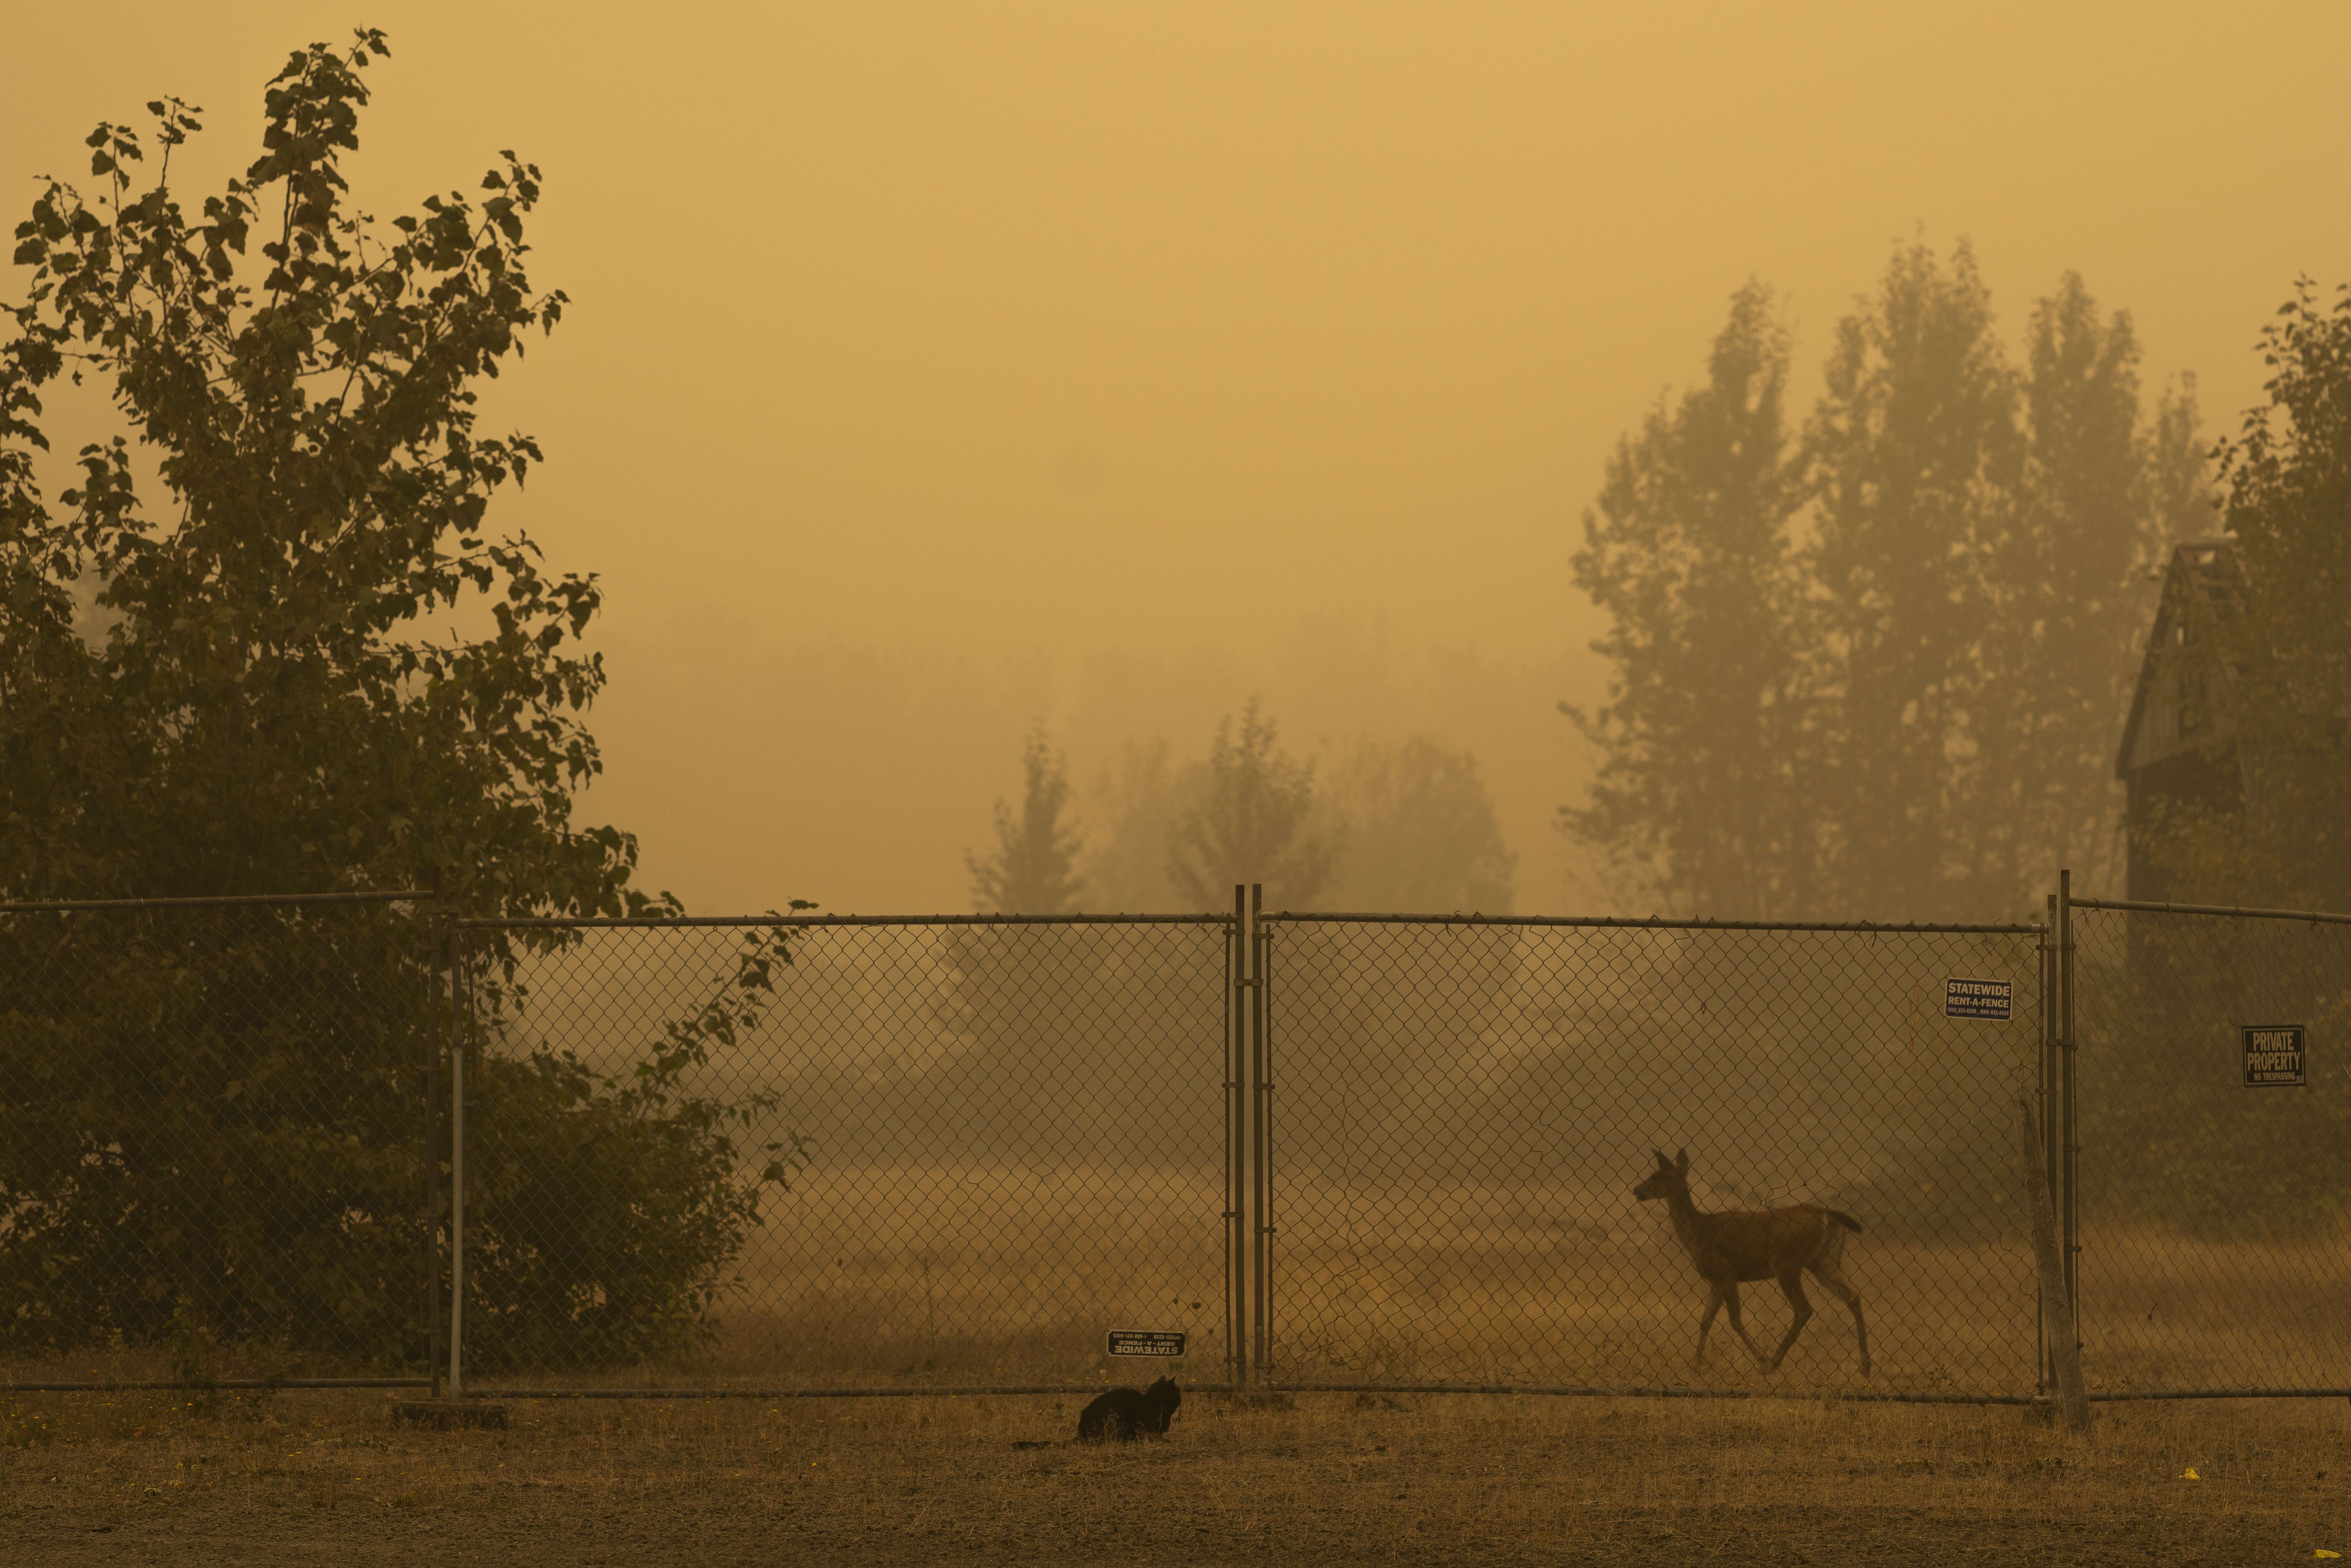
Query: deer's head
[1669, 1180]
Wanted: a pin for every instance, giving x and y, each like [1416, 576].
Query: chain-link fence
[1331, 1150]
[213, 1140]
[842, 1151]
[2213, 1178]
[1462, 1108]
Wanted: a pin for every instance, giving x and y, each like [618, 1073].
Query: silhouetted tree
[2280, 669]
[1253, 823]
[1703, 742]
[1912, 459]
[1138, 802]
[1914, 713]
[2064, 569]
[214, 1117]
[1420, 831]
[1032, 870]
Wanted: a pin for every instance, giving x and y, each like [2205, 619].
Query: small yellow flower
[2189, 1474]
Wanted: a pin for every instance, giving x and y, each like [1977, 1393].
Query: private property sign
[1979, 1000]
[2275, 1057]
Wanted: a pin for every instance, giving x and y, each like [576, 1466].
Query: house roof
[2201, 583]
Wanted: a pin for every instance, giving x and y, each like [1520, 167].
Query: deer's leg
[1791, 1285]
[1835, 1283]
[1728, 1291]
[1706, 1324]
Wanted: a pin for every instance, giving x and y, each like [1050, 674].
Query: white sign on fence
[1146, 1341]
[2275, 1057]
[1979, 1000]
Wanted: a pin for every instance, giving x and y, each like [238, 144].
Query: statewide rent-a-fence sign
[1979, 1000]
[2275, 1057]
[1146, 1341]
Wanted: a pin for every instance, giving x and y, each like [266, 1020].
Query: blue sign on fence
[1979, 1000]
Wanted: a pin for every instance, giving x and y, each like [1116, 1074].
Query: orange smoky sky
[935, 369]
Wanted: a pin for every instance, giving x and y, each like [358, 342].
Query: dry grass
[304, 1477]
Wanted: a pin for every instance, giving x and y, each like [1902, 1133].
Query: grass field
[976, 1275]
[312, 1478]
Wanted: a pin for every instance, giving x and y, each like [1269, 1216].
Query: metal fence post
[1262, 1149]
[458, 1037]
[2069, 1217]
[439, 936]
[2045, 1097]
[1236, 1144]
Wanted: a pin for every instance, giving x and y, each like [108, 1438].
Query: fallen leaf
[2189, 1474]
[2322, 1552]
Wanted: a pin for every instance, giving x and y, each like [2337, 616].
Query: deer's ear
[1663, 1164]
[1681, 1161]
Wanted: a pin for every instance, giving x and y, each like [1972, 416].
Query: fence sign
[2274, 1056]
[1978, 999]
[1146, 1341]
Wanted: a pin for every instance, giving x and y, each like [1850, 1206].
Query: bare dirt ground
[318, 1477]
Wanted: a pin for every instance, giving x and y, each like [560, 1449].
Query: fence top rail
[2140, 906]
[810, 922]
[1657, 923]
[53, 905]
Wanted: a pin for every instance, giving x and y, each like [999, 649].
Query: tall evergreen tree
[2180, 497]
[1033, 870]
[1913, 713]
[1421, 831]
[1698, 802]
[2063, 571]
[1254, 822]
[1913, 457]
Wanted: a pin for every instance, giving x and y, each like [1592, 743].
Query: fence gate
[1457, 1109]
[930, 1152]
[2213, 1185]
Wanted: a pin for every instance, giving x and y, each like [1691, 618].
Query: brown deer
[1741, 1245]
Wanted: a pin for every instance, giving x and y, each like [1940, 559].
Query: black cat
[1127, 1414]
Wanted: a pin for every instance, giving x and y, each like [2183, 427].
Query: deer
[1734, 1247]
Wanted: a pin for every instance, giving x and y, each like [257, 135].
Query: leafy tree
[1698, 798]
[605, 1210]
[2180, 465]
[1911, 457]
[1139, 802]
[2282, 666]
[1421, 832]
[1033, 870]
[1253, 823]
[2063, 573]
[2272, 663]
[1912, 713]
[283, 702]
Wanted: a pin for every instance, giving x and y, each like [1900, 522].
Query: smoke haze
[934, 371]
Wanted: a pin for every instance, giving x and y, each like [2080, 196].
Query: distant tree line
[1875, 663]
[1402, 826]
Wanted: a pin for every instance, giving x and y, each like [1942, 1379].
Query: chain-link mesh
[1461, 1109]
[955, 1151]
[213, 1141]
[826, 1153]
[2212, 1216]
